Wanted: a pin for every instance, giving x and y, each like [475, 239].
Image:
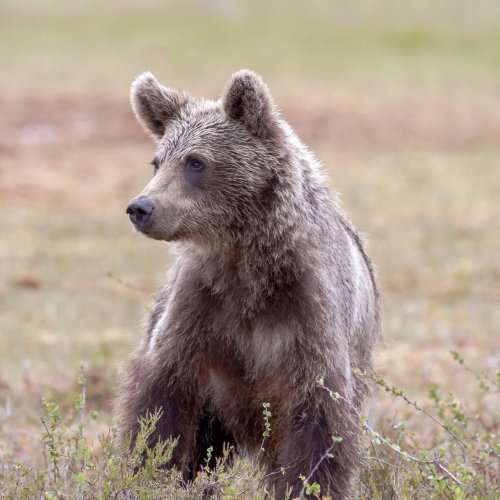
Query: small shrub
[460, 462]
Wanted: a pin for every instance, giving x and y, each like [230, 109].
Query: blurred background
[399, 99]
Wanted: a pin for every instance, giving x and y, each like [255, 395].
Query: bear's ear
[248, 100]
[153, 104]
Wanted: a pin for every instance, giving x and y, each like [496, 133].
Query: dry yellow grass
[76, 280]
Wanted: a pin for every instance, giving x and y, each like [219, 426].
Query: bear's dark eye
[194, 165]
[156, 165]
[194, 171]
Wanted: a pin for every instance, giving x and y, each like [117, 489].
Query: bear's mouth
[164, 231]
[160, 236]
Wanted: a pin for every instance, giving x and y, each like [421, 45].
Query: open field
[403, 112]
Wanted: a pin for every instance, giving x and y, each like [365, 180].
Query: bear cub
[271, 291]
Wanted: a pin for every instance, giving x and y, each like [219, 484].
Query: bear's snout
[139, 210]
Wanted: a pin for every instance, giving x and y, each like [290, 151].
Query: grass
[460, 463]
[72, 48]
[399, 103]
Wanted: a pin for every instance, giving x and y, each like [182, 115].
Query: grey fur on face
[272, 290]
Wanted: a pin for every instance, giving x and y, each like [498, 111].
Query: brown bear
[272, 290]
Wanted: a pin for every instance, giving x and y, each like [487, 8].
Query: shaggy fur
[272, 290]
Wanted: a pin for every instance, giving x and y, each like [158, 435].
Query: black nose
[139, 211]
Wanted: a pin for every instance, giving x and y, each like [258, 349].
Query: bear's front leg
[148, 388]
[321, 443]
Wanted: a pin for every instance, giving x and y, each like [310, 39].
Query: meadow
[399, 101]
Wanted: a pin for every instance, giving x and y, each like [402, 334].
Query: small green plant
[310, 489]
[267, 415]
[266, 433]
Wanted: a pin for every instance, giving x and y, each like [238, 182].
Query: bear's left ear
[248, 100]
[153, 104]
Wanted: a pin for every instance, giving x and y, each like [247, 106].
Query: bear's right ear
[153, 104]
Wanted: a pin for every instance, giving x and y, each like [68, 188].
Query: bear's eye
[194, 171]
[194, 165]
[156, 165]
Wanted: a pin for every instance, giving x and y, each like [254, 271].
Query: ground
[403, 116]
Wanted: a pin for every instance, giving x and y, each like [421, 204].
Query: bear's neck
[250, 272]
[273, 252]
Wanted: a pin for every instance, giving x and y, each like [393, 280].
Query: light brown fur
[272, 290]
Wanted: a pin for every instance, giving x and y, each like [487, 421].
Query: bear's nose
[139, 211]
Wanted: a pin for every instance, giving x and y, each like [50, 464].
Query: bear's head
[217, 163]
